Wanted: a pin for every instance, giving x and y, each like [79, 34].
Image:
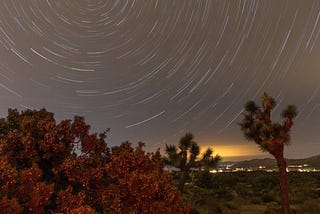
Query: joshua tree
[185, 156]
[270, 136]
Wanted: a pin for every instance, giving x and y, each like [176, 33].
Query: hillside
[313, 161]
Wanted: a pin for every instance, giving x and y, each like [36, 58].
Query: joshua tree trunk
[283, 181]
[182, 179]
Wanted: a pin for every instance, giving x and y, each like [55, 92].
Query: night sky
[152, 70]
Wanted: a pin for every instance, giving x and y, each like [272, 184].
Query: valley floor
[251, 192]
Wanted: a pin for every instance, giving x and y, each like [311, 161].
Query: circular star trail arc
[153, 70]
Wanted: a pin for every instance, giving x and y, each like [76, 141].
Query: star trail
[152, 70]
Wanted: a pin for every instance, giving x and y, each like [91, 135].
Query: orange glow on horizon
[234, 150]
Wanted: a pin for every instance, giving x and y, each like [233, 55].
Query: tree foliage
[61, 168]
[258, 127]
[185, 157]
[270, 136]
[141, 184]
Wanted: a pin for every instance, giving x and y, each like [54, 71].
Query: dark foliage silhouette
[270, 136]
[185, 157]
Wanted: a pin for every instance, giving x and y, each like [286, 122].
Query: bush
[47, 167]
[267, 198]
[204, 179]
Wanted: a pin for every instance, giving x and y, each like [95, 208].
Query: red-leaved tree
[61, 168]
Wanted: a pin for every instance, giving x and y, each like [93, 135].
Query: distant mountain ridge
[313, 161]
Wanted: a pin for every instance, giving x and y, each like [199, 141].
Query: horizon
[259, 157]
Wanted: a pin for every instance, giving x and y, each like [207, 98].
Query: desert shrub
[194, 211]
[267, 198]
[48, 168]
[204, 179]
